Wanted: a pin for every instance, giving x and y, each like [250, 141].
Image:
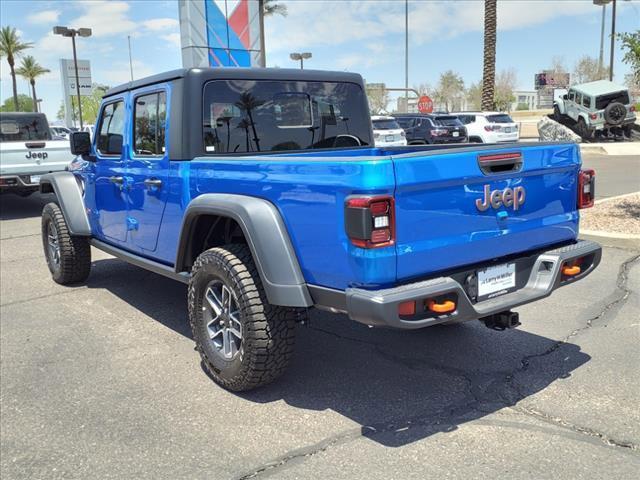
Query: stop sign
[425, 104]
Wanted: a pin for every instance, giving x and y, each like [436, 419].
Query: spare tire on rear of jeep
[615, 113]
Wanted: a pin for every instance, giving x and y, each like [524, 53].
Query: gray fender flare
[268, 240]
[69, 194]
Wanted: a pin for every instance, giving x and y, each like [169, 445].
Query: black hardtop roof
[220, 73]
[22, 114]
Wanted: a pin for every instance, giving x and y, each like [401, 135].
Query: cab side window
[111, 131]
[586, 101]
[572, 95]
[578, 98]
[150, 115]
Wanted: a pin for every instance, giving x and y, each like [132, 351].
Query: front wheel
[557, 116]
[68, 257]
[244, 342]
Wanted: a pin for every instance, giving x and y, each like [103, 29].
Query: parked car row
[458, 127]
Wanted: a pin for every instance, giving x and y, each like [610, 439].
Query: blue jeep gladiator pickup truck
[263, 191]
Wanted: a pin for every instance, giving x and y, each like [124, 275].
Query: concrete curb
[612, 148]
[617, 197]
[602, 233]
[608, 241]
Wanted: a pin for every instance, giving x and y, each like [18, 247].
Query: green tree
[474, 96]
[269, 8]
[588, 69]
[30, 70]
[90, 105]
[449, 89]
[378, 98]
[24, 104]
[11, 47]
[489, 59]
[631, 45]
[506, 82]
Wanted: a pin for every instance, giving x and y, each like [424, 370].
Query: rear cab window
[23, 128]
[111, 131]
[247, 116]
[499, 118]
[603, 100]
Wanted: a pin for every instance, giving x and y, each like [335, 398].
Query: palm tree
[268, 8]
[12, 47]
[30, 70]
[248, 103]
[489, 68]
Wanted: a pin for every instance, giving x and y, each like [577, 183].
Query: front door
[147, 168]
[110, 174]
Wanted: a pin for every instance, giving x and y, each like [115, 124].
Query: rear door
[443, 219]
[147, 166]
[110, 175]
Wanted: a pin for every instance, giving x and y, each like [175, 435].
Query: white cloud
[105, 18]
[44, 16]
[173, 39]
[357, 21]
[156, 24]
[120, 72]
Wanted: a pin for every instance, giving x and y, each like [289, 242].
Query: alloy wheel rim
[53, 245]
[222, 316]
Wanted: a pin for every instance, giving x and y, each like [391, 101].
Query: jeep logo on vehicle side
[36, 155]
[509, 197]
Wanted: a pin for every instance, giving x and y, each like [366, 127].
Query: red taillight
[632, 108]
[369, 221]
[586, 188]
[593, 116]
[492, 128]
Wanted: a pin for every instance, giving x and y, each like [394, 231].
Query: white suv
[489, 127]
[387, 132]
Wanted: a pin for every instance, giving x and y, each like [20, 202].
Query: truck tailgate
[439, 226]
[34, 157]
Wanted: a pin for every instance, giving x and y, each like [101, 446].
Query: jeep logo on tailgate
[36, 155]
[509, 197]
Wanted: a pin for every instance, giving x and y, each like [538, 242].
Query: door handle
[153, 182]
[117, 180]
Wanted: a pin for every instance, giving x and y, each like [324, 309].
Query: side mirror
[80, 143]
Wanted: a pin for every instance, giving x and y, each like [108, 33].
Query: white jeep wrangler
[599, 106]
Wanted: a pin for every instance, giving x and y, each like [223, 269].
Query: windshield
[243, 116]
[386, 124]
[603, 100]
[23, 128]
[499, 118]
[449, 121]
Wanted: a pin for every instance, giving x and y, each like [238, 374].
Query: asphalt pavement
[102, 381]
[615, 174]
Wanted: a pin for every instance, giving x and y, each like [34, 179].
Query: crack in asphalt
[20, 236]
[476, 398]
[621, 285]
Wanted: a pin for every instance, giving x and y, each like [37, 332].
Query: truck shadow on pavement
[14, 207]
[398, 386]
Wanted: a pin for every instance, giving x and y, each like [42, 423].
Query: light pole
[73, 32]
[300, 56]
[603, 3]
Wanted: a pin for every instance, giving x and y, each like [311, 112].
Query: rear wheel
[244, 342]
[583, 130]
[68, 257]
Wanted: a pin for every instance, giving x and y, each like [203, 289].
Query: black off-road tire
[74, 262]
[268, 331]
[557, 116]
[583, 130]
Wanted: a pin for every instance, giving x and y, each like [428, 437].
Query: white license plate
[390, 138]
[35, 178]
[455, 134]
[494, 281]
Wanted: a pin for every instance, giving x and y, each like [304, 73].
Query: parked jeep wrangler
[262, 190]
[597, 107]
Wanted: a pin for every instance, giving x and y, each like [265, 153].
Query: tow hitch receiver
[502, 321]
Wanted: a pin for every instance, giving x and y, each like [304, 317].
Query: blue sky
[362, 36]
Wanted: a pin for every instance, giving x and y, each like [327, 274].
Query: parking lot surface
[102, 381]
